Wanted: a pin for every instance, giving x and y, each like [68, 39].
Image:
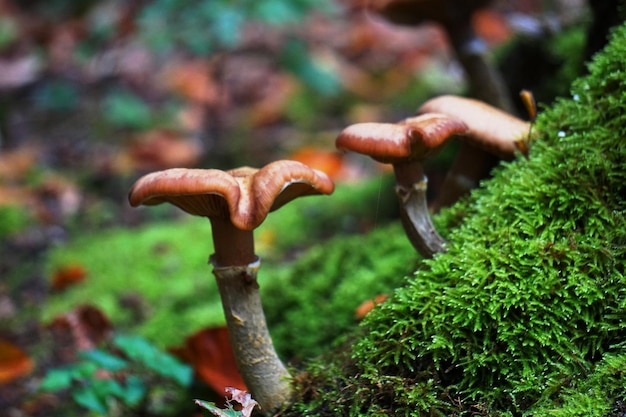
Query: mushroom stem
[411, 187]
[232, 246]
[265, 376]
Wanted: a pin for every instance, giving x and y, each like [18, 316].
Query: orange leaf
[367, 305]
[330, 162]
[193, 81]
[68, 275]
[14, 363]
[211, 355]
[491, 26]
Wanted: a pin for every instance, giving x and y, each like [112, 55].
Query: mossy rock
[526, 311]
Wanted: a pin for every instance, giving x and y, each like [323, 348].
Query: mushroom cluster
[408, 143]
[238, 201]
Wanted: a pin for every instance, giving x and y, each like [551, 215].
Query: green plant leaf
[86, 397]
[134, 390]
[164, 364]
[104, 360]
[296, 58]
[123, 109]
[58, 379]
[229, 412]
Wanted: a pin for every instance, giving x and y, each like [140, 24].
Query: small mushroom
[406, 145]
[490, 128]
[236, 202]
[493, 134]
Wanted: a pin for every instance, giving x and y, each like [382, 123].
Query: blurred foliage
[12, 220]
[119, 379]
[209, 27]
[123, 109]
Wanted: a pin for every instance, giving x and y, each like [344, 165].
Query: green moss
[158, 266]
[601, 393]
[313, 302]
[530, 295]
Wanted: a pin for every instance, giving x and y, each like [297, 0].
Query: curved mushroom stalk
[257, 361]
[411, 188]
[416, 219]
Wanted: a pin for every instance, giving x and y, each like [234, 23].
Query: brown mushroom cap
[245, 195]
[489, 127]
[413, 139]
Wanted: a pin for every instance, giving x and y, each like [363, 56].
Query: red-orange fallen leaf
[491, 26]
[330, 162]
[14, 363]
[86, 325]
[211, 355]
[67, 275]
[192, 80]
[367, 305]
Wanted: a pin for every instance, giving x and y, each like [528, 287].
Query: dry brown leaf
[67, 275]
[14, 362]
[86, 325]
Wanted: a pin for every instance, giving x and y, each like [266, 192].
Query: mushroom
[236, 202]
[491, 130]
[406, 145]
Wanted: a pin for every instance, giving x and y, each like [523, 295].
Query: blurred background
[95, 93]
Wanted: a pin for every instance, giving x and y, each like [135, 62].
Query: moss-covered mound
[313, 302]
[531, 296]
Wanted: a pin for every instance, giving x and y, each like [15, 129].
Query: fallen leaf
[244, 409]
[67, 275]
[14, 362]
[86, 325]
[210, 353]
[368, 305]
[244, 398]
[192, 80]
[491, 26]
[330, 162]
